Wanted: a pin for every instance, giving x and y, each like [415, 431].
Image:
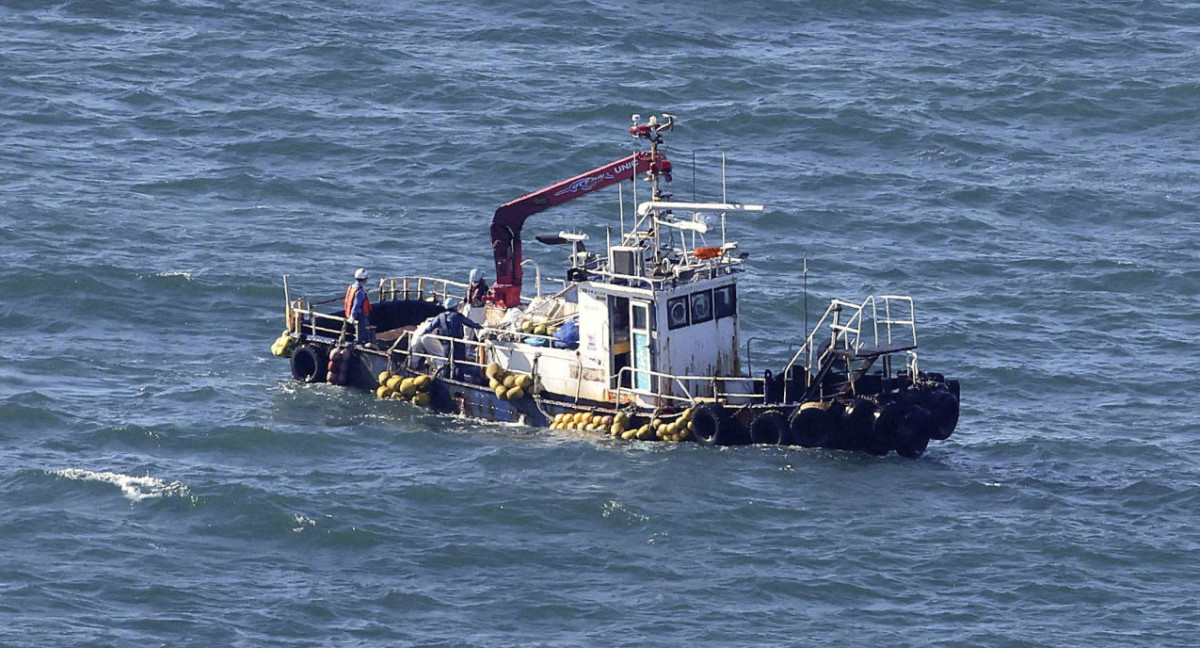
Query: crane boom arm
[509, 218]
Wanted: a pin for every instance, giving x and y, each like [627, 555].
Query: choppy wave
[135, 489]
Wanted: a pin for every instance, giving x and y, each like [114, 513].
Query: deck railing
[718, 387]
[879, 320]
[418, 287]
[898, 318]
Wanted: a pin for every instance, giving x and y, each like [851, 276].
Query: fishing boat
[639, 342]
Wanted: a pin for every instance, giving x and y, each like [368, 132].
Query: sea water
[1026, 171]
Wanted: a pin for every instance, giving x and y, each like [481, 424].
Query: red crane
[507, 222]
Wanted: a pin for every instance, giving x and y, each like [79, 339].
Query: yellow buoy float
[283, 345]
[414, 390]
[508, 385]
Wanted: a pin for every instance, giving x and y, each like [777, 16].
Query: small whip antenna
[806, 299]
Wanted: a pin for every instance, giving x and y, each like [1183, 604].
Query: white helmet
[475, 276]
[448, 303]
[360, 274]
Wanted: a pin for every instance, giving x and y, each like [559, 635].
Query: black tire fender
[813, 427]
[887, 425]
[710, 425]
[913, 432]
[310, 363]
[943, 408]
[857, 424]
[770, 427]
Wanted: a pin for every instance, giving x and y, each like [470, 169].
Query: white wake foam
[135, 489]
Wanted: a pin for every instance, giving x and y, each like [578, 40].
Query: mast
[652, 132]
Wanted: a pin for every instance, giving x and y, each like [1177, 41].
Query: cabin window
[725, 301]
[641, 346]
[677, 312]
[640, 318]
[701, 306]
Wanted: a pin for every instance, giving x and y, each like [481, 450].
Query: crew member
[452, 324]
[358, 306]
[477, 290]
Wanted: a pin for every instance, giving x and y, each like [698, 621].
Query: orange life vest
[348, 307]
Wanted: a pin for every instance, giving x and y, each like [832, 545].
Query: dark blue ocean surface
[1028, 173]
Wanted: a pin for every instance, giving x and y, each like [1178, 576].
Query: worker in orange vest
[358, 306]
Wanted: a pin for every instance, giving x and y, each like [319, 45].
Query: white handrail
[849, 331]
[680, 381]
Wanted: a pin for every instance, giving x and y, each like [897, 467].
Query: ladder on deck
[846, 343]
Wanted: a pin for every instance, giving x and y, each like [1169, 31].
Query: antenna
[806, 300]
[621, 204]
[694, 199]
[634, 181]
[724, 198]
